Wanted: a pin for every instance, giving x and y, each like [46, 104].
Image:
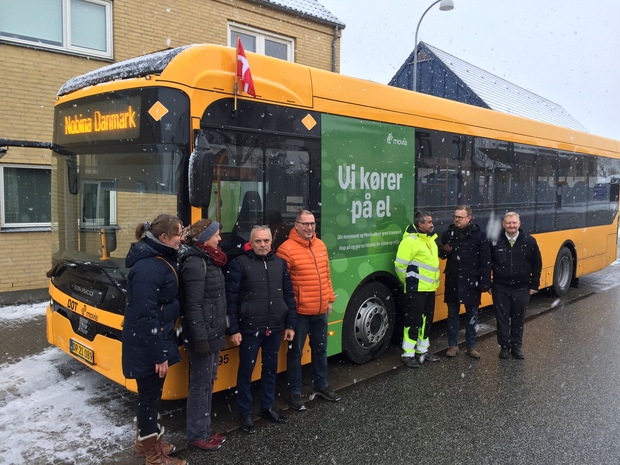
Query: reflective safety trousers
[412, 347]
[417, 262]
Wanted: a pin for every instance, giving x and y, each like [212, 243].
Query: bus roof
[329, 92]
[145, 65]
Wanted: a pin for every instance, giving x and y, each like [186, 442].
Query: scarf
[217, 255]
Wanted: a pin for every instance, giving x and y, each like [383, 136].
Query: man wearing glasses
[468, 274]
[308, 264]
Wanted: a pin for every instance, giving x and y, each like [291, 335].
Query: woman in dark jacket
[204, 325]
[149, 345]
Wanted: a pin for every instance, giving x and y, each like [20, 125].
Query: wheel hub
[371, 323]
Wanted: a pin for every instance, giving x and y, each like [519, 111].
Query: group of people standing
[258, 299]
[508, 267]
[264, 296]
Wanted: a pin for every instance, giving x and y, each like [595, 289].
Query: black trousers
[418, 304]
[510, 306]
[149, 394]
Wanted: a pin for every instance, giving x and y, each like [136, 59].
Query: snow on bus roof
[144, 65]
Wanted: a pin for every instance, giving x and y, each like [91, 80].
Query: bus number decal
[224, 360]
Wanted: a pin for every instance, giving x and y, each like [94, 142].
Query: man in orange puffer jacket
[308, 265]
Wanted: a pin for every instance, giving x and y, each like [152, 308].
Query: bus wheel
[563, 272]
[368, 323]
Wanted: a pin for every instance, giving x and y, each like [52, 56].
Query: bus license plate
[82, 352]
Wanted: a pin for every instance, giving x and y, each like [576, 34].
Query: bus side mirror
[200, 172]
[72, 175]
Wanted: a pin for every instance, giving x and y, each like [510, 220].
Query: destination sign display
[109, 119]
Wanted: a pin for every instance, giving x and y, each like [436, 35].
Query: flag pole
[234, 112]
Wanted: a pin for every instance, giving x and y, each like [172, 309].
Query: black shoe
[410, 362]
[518, 353]
[273, 415]
[504, 352]
[247, 424]
[327, 394]
[296, 402]
[428, 357]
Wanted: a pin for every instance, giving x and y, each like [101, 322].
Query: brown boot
[138, 449]
[154, 454]
[452, 351]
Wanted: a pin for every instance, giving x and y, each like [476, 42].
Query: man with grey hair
[517, 264]
[308, 263]
[261, 310]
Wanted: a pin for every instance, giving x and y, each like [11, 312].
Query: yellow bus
[166, 133]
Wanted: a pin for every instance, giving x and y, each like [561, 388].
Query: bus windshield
[99, 198]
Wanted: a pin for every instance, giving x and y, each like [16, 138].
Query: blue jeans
[248, 351]
[314, 326]
[471, 328]
[203, 373]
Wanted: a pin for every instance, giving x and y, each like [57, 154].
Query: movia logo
[392, 141]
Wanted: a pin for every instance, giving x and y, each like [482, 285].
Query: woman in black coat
[149, 346]
[204, 325]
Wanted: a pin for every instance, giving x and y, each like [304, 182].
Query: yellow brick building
[41, 50]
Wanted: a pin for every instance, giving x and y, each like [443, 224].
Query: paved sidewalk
[22, 338]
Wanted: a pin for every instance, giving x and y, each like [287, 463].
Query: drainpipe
[334, 42]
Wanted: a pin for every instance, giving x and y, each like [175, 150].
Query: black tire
[563, 272]
[368, 323]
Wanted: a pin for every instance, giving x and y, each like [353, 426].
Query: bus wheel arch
[369, 322]
[564, 269]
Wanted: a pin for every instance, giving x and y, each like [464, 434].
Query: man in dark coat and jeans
[468, 273]
[261, 307]
[517, 265]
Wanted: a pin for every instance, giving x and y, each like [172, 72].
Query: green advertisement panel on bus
[367, 196]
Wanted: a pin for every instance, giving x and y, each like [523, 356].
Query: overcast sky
[566, 51]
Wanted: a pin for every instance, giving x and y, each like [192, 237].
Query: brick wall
[31, 78]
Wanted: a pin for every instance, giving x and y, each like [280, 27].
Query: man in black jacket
[261, 306]
[468, 273]
[517, 265]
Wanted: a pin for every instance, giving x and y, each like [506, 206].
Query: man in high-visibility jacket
[417, 267]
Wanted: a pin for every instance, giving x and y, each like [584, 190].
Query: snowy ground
[48, 414]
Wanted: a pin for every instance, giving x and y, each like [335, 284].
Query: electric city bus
[167, 133]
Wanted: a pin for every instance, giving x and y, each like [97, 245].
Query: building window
[99, 208]
[25, 195]
[79, 26]
[265, 43]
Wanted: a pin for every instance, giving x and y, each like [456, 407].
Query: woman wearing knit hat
[204, 324]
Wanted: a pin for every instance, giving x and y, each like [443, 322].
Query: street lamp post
[444, 5]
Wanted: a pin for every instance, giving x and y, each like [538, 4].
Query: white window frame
[94, 222]
[260, 36]
[3, 222]
[66, 33]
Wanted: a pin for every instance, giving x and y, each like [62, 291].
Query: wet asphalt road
[558, 406]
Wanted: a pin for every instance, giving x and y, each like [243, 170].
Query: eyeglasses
[459, 217]
[306, 225]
